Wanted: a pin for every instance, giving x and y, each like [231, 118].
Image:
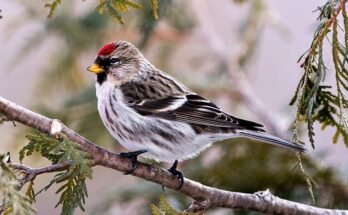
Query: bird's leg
[134, 157]
[178, 174]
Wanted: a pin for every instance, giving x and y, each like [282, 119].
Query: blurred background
[239, 54]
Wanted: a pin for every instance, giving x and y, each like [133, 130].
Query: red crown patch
[107, 49]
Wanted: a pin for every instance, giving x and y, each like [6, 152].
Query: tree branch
[31, 173]
[204, 196]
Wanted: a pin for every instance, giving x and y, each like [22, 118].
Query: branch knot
[55, 128]
[265, 195]
[199, 206]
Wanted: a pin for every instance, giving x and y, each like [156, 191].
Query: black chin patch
[103, 62]
[101, 77]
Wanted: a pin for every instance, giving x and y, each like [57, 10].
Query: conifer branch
[204, 197]
[319, 38]
[31, 173]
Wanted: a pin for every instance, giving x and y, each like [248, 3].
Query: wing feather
[189, 108]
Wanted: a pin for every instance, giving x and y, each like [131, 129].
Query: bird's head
[118, 62]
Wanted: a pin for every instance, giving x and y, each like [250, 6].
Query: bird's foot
[176, 173]
[134, 158]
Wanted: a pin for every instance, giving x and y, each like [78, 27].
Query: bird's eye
[114, 60]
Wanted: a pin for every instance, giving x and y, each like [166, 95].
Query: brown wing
[189, 108]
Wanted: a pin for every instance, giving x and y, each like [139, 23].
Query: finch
[152, 114]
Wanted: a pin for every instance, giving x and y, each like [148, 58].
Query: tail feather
[267, 138]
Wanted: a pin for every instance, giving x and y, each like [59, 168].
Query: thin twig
[31, 173]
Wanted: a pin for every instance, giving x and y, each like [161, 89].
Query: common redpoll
[151, 113]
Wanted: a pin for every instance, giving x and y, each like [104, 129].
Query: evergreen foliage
[316, 101]
[52, 7]
[72, 182]
[164, 208]
[154, 5]
[30, 192]
[113, 7]
[14, 202]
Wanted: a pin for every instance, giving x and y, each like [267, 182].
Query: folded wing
[193, 109]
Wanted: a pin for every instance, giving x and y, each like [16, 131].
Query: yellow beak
[95, 68]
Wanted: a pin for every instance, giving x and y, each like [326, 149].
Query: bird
[152, 114]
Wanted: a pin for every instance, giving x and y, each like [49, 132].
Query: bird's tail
[267, 138]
